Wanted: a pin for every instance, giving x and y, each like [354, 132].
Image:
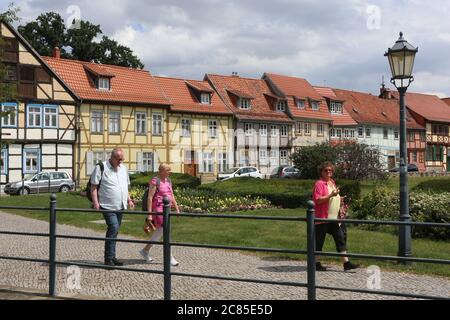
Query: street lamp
[401, 60]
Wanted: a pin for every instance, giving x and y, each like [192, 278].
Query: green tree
[49, 31]
[308, 158]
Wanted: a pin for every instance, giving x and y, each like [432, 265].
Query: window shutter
[199, 161]
[155, 162]
[89, 160]
[442, 153]
[140, 160]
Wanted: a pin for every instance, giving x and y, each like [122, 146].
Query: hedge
[179, 180]
[434, 185]
[287, 193]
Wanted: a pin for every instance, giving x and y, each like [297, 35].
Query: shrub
[288, 193]
[434, 185]
[179, 180]
[384, 204]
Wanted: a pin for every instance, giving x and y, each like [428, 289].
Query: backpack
[145, 197]
[88, 189]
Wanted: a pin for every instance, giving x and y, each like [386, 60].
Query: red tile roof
[99, 70]
[183, 99]
[343, 119]
[127, 86]
[446, 100]
[430, 107]
[262, 103]
[366, 108]
[297, 88]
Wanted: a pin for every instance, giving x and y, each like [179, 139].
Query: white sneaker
[173, 262]
[145, 255]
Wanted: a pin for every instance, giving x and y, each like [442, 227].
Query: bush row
[384, 204]
[434, 185]
[179, 180]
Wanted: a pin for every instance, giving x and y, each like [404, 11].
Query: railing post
[166, 250]
[311, 245]
[52, 248]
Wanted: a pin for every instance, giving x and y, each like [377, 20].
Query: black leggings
[339, 234]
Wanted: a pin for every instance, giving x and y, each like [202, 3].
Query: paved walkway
[135, 285]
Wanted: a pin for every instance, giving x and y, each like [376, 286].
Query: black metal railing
[311, 252]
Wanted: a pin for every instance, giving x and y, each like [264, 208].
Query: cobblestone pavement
[136, 285]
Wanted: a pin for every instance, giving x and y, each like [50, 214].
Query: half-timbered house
[39, 132]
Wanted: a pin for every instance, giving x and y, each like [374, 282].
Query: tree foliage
[354, 161]
[77, 43]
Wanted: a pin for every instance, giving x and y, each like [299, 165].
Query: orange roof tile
[343, 119]
[446, 100]
[99, 70]
[297, 88]
[366, 108]
[127, 86]
[262, 104]
[183, 99]
[430, 107]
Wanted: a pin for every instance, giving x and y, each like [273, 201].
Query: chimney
[234, 74]
[56, 53]
[385, 93]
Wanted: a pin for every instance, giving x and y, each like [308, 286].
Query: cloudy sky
[335, 43]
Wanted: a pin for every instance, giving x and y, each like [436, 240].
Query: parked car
[285, 172]
[240, 172]
[411, 168]
[42, 182]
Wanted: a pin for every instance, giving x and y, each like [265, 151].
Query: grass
[254, 233]
[393, 183]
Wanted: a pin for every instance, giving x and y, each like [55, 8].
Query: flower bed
[198, 201]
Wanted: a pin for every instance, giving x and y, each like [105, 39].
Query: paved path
[135, 285]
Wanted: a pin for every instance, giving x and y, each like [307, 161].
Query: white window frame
[281, 105]
[223, 162]
[52, 116]
[208, 162]
[368, 132]
[96, 121]
[114, 122]
[148, 159]
[284, 157]
[284, 131]
[339, 133]
[212, 128]
[301, 104]
[185, 127]
[4, 160]
[332, 133]
[360, 132]
[141, 123]
[205, 98]
[320, 130]
[335, 107]
[385, 133]
[263, 159]
[315, 103]
[244, 104]
[98, 156]
[396, 134]
[307, 128]
[274, 130]
[104, 83]
[299, 128]
[33, 115]
[7, 121]
[248, 129]
[26, 153]
[157, 124]
[263, 130]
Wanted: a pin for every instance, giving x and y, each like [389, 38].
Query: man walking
[109, 191]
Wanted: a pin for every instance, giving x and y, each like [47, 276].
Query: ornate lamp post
[401, 60]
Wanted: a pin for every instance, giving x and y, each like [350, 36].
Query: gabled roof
[127, 86]
[37, 56]
[366, 108]
[430, 107]
[263, 99]
[99, 70]
[182, 98]
[298, 89]
[343, 119]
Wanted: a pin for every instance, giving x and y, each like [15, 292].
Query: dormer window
[205, 98]
[104, 84]
[244, 104]
[315, 105]
[301, 104]
[335, 107]
[281, 105]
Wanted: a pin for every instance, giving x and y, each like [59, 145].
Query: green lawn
[394, 183]
[272, 234]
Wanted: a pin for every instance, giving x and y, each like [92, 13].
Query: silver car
[43, 182]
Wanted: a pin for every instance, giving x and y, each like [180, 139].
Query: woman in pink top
[160, 187]
[327, 205]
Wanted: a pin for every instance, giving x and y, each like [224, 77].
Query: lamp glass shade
[402, 63]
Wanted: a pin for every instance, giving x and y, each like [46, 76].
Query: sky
[330, 43]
